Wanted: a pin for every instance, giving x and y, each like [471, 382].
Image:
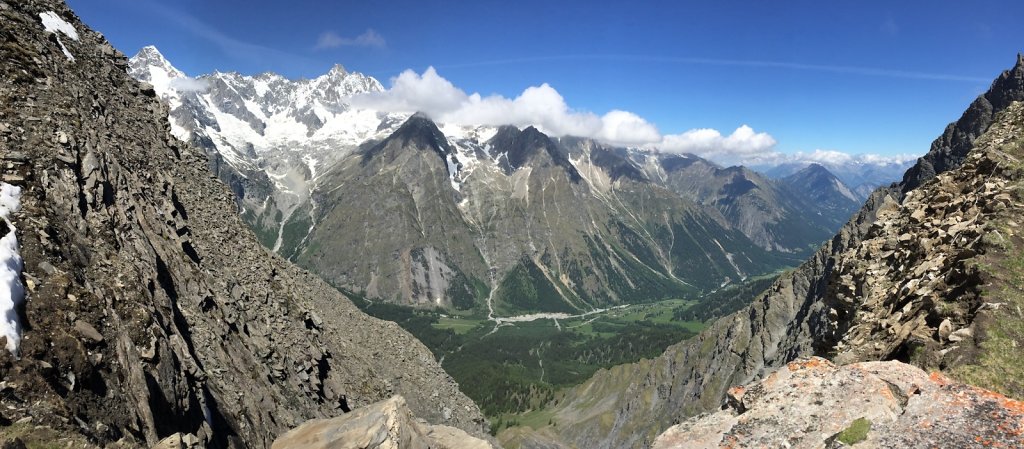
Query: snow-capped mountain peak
[267, 135]
[338, 70]
[151, 58]
[276, 141]
[151, 66]
[262, 111]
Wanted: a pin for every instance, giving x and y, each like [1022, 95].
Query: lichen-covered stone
[812, 403]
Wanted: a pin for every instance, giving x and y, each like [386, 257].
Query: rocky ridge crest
[387, 424]
[827, 306]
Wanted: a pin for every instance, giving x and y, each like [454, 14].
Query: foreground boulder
[813, 403]
[386, 424]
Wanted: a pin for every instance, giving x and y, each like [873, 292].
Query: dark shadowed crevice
[178, 206]
[225, 430]
[167, 416]
[190, 251]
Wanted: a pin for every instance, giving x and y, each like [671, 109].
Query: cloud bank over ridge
[543, 107]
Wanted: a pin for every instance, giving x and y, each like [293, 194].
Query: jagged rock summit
[152, 310]
[950, 149]
[812, 403]
[384, 425]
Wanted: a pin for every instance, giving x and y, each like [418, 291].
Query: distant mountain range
[861, 175]
[500, 220]
[928, 272]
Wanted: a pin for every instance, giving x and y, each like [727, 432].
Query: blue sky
[857, 77]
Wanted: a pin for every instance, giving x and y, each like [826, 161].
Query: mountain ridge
[289, 203]
[810, 310]
[261, 213]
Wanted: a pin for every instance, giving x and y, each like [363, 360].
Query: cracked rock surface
[811, 402]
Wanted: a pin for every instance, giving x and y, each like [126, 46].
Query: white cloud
[743, 144]
[833, 157]
[627, 128]
[543, 107]
[825, 157]
[369, 38]
[410, 92]
[186, 84]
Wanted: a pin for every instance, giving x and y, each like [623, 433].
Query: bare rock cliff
[152, 310]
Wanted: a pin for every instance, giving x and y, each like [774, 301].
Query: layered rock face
[930, 277]
[152, 310]
[812, 403]
[385, 425]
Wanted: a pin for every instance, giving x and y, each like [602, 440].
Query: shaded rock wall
[152, 309]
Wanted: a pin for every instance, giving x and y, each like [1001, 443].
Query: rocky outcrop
[152, 310]
[387, 424]
[950, 149]
[812, 403]
[912, 288]
[880, 289]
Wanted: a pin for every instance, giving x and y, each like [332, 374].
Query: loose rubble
[911, 289]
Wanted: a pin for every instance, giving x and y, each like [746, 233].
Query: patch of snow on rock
[12, 292]
[53, 23]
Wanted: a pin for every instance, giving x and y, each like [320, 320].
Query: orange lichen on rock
[939, 378]
[737, 391]
[1003, 401]
[810, 363]
[808, 401]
